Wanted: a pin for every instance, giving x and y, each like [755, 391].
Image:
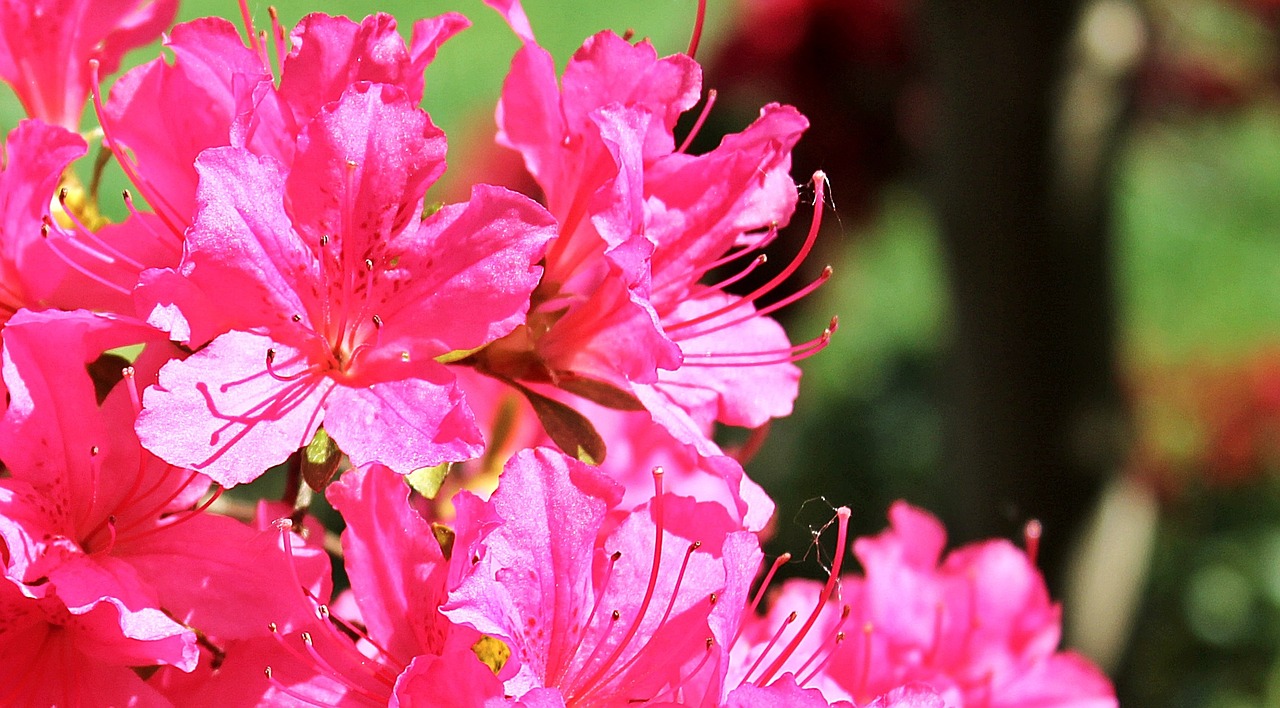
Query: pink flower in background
[46, 47]
[977, 627]
[339, 297]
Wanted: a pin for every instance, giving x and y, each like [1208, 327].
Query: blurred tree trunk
[1034, 414]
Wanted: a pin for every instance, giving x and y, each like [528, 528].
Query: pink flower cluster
[290, 300]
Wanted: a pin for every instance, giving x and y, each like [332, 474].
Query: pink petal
[242, 248]
[782, 692]
[533, 587]
[222, 576]
[404, 424]
[473, 267]
[222, 413]
[747, 394]
[363, 165]
[608, 69]
[513, 12]
[48, 66]
[455, 680]
[212, 69]
[331, 53]
[395, 564]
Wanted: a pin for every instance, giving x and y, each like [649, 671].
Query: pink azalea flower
[46, 47]
[341, 297]
[43, 252]
[241, 106]
[641, 222]
[976, 627]
[599, 606]
[100, 536]
[404, 647]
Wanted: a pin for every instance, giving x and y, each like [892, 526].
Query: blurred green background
[1192, 192]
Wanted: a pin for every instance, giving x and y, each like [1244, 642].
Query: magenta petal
[331, 53]
[44, 664]
[782, 692]
[454, 680]
[608, 69]
[222, 413]
[513, 12]
[362, 167]
[46, 45]
[913, 695]
[404, 424]
[34, 157]
[529, 117]
[533, 587]
[212, 69]
[242, 245]
[396, 567]
[222, 576]
[428, 35]
[474, 266]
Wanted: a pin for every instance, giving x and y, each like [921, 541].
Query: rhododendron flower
[42, 250]
[599, 605]
[240, 104]
[96, 533]
[341, 297]
[620, 317]
[977, 627]
[46, 46]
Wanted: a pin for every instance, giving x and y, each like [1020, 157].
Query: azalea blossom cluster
[511, 402]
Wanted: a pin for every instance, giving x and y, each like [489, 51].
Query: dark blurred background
[1055, 228]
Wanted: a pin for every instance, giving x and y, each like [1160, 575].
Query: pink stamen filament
[697, 28]
[769, 647]
[325, 616]
[842, 537]
[777, 356]
[154, 197]
[55, 247]
[278, 34]
[182, 518]
[799, 294]
[671, 602]
[837, 633]
[1032, 534]
[829, 654]
[764, 585]
[819, 187]
[697, 124]
[271, 358]
[275, 683]
[755, 263]
[155, 509]
[337, 675]
[247, 18]
[591, 617]
[657, 508]
[101, 250]
[865, 675]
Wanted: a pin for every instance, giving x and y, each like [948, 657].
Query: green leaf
[569, 429]
[597, 391]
